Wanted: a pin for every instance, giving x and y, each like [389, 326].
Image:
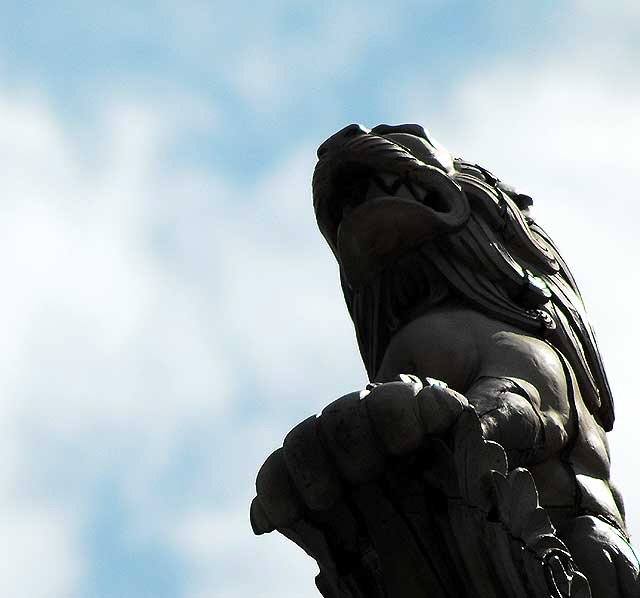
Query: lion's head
[410, 227]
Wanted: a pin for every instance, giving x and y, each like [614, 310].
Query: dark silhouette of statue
[475, 463]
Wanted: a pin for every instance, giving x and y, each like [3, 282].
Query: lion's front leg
[347, 486]
[352, 440]
[395, 492]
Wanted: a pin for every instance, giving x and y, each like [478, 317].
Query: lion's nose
[411, 129]
[338, 139]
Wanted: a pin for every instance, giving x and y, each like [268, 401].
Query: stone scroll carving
[474, 464]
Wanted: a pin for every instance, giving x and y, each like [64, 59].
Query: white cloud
[38, 557]
[227, 562]
[106, 357]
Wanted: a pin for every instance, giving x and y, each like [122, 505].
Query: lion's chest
[458, 346]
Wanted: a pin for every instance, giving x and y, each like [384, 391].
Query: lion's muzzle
[380, 192]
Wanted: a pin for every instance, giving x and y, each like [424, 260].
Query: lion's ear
[521, 200]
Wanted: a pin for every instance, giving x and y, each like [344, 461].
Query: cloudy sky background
[168, 309]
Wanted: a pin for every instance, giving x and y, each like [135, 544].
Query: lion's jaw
[379, 193]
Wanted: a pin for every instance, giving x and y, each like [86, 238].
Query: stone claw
[278, 503]
[439, 407]
[310, 466]
[560, 575]
[393, 412]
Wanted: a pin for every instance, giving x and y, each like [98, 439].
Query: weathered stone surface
[474, 464]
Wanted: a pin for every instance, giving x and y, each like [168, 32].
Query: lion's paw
[349, 443]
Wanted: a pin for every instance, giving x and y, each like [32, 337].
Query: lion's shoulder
[443, 343]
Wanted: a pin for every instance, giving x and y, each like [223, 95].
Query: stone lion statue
[475, 462]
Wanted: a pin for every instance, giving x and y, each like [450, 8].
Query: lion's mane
[501, 263]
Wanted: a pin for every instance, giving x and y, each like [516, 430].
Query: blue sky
[169, 310]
